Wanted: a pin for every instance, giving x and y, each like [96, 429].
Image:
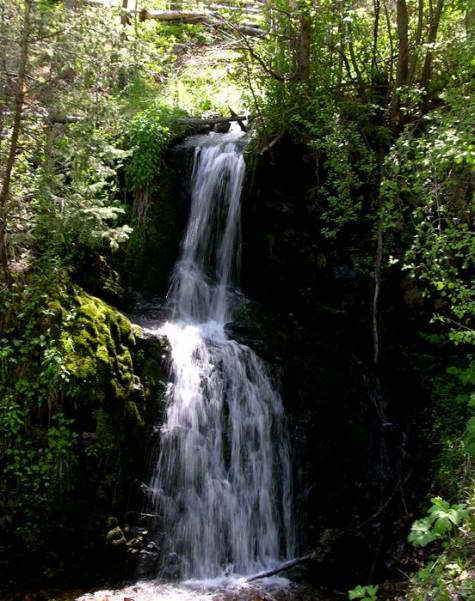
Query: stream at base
[219, 589]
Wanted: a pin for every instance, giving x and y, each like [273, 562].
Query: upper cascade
[202, 278]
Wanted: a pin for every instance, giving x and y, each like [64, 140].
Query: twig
[287, 565]
[382, 507]
[273, 142]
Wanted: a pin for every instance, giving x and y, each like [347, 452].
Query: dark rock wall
[355, 427]
[147, 261]
[61, 535]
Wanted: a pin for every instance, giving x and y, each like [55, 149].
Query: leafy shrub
[149, 135]
[441, 520]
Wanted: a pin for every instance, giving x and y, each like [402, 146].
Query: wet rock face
[354, 426]
[147, 261]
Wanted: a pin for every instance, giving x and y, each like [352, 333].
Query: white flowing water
[222, 482]
[236, 589]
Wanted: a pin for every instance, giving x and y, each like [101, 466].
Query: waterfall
[222, 481]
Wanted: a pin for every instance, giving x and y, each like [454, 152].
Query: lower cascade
[222, 480]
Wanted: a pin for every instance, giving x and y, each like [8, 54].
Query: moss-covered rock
[87, 398]
[98, 342]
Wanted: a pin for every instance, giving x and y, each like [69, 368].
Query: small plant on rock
[364, 593]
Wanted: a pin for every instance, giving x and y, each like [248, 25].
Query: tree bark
[431, 38]
[391, 52]
[17, 123]
[374, 58]
[470, 21]
[402, 69]
[417, 40]
[125, 15]
[303, 48]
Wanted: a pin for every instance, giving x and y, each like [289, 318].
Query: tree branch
[287, 565]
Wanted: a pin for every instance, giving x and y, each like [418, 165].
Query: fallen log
[212, 121]
[63, 119]
[190, 17]
[287, 565]
[240, 121]
[184, 16]
[194, 121]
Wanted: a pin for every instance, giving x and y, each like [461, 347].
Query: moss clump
[105, 394]
[97, 341]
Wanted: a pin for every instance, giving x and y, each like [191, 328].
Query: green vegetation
[449, 572]
[150, 133]
[365, 593]
[442, 519]
[382, 96]
[68, 369]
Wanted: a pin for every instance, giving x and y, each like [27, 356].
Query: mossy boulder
[98, 342]
[89, 396]
[106, 387]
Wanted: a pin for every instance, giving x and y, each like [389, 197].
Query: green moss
[73, 414]
[55, 307]
[96, 342]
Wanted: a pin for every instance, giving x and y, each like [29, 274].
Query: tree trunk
[470, 21]
[391, 52]
[11, 157]
[402, 70]
[303, 49]
[374, 58]
[125, 16]
[417, 40]
[377, 290]
[431, 38]
[354, 62]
